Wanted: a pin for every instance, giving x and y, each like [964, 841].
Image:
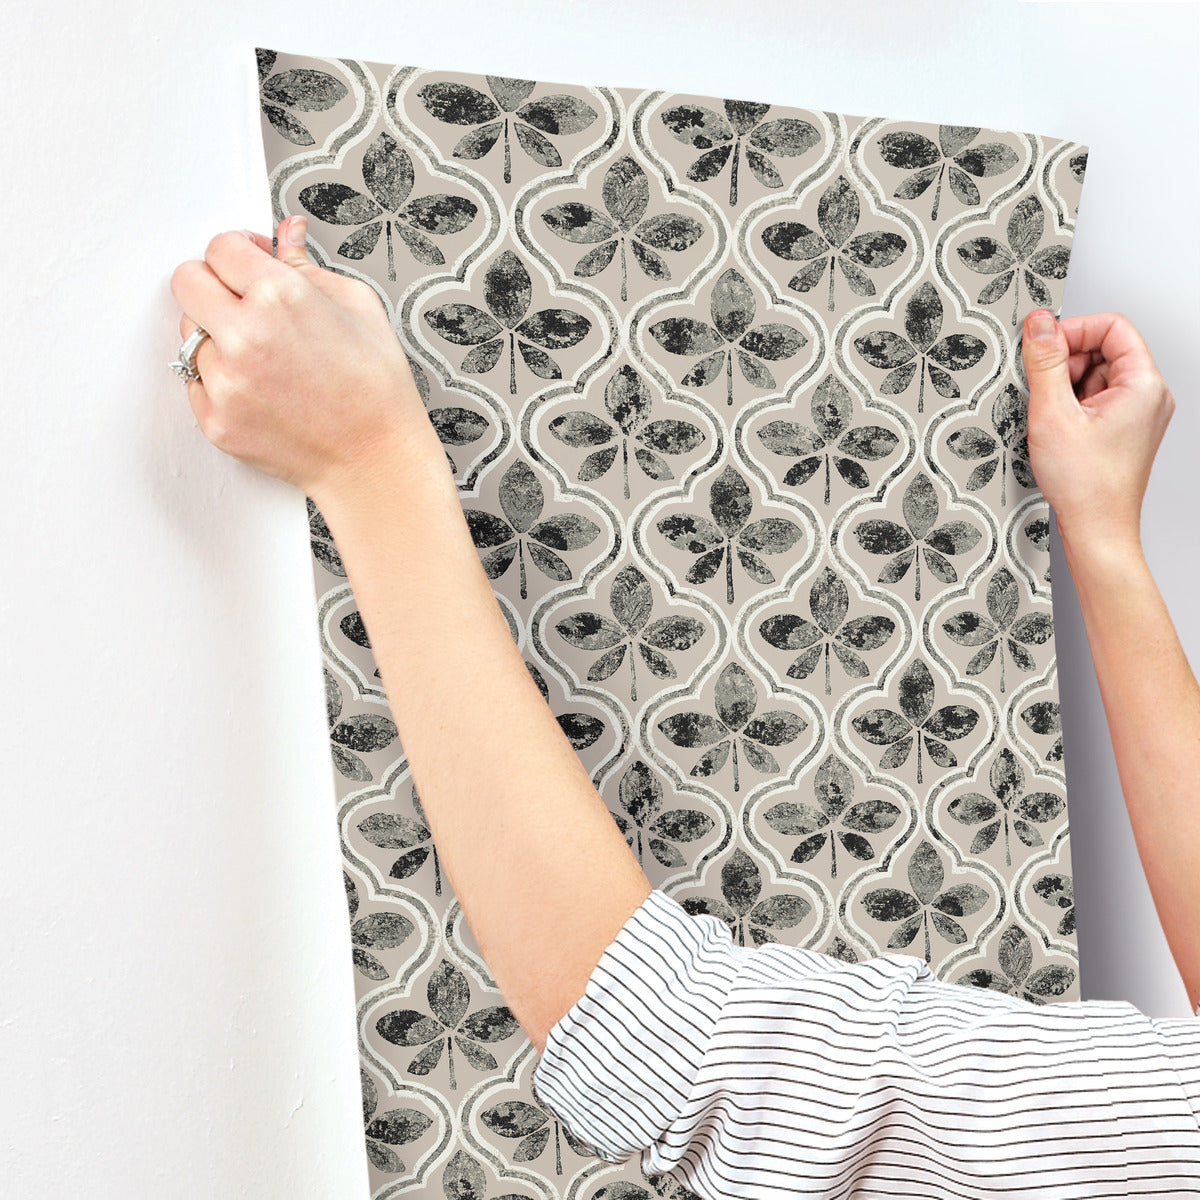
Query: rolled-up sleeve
[776, 1071]
[619, 1066]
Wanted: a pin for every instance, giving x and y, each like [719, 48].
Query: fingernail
[297, 231]
[1042, 325]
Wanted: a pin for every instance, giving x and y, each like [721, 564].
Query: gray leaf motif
[921, 350]
[1044, 985]
[626, 196]
[508, 292]
[829, 602]
[732, 308]
[640, 796]
[522, 498]
[1058, 890]
[627, 400]
[741, 904]
[838, 213]
[631, 600]
[1044, 718]
[534, 122]
[721, 139]
[831, 411]
[833, 790]
[448, 1024]
[394, 831]
[1007, 781]
[970, 628]
[388, 176]
[986, 256]
[916, 718]
[360, 733]
[730, 505]
[879, 535]
[1010, 416]
[301, 88]
[735, 699]
[926, 159]
[396, 1127]
[926, 902]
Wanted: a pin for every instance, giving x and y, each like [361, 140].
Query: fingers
[292, 235]
[1108, 338]
[202, 296]
[1047, 355]
[238, 260]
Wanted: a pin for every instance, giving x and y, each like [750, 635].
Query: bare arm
[1098, 409]
[541, 870]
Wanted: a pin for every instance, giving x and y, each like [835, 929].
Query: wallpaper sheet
[734, 399]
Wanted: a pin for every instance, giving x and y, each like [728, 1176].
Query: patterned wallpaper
[733, 396]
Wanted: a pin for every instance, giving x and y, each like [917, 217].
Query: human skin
[304, 378]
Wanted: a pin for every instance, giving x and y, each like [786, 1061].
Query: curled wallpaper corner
[734, 399]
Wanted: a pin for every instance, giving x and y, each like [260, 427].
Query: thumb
[1047, 358]
[291, 245]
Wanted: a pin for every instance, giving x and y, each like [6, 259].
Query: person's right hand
[1098, 409]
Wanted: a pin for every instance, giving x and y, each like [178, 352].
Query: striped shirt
[776, 1071]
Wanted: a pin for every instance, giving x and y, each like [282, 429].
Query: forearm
[539, 867]
[1152, 703]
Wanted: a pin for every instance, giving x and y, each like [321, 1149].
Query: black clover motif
[1014, 979]
[838, 213]
[721, 139]
[878, 535]
[833, 789]
[731, 505]
[388, 175]
[742, 907]
[1007, 781]
[454, 426]
[508, 292]
[916, 718]
[394, 831]
[1010, 419]
[396, 1127]
[986, 256]
[970, 628]
[1058, 891]
[829, 602]
[640, 796]
[522, 498]
[300, 88]
[533, 121]
[361, 733]
[732, 307]
[831, 411]
[1044, 717]
[889, 351]
[911, 151]
[626, 196]
[631, 599]
[926, 902]
[735, 699]
[627, 399]
[375, 931]
[447, 1024]
[1037, 530]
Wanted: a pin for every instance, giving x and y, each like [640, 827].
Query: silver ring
[185, 365]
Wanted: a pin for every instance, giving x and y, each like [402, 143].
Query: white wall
[176, 1003]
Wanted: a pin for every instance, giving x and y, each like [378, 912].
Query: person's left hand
[302, 374]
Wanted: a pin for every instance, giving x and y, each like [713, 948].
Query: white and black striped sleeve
[776, 1071]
